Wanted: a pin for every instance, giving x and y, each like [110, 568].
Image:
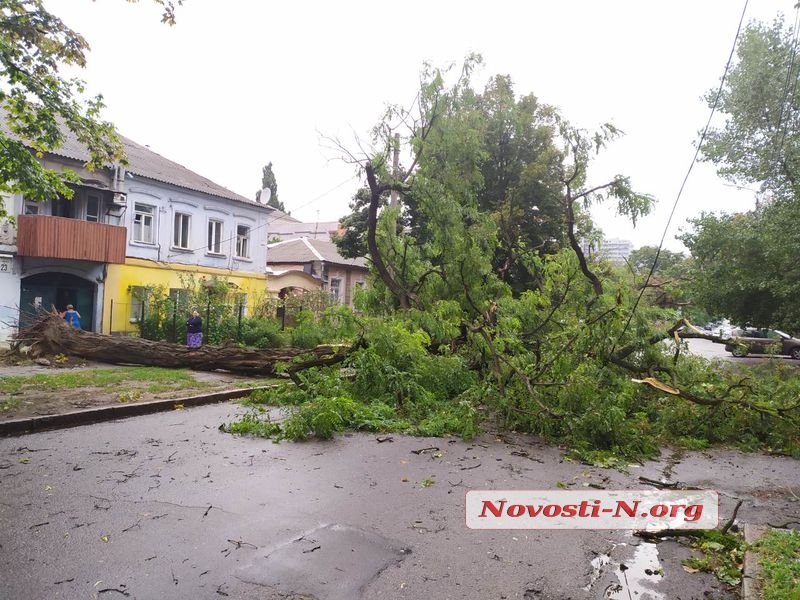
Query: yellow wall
[296, 279]
[137, 272]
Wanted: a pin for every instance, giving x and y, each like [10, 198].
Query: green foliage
[779, 559]
[305, 333]
[352, 243]
[746, 267]
[37, 102]
[263, 333]
[461, 418]
[219, 304]
[321, 417]
[468, 321]
[759, 143]
[268, 182]
[35, 46]
[253, 423]
[397, 386]
[733, 274]
[722, 556]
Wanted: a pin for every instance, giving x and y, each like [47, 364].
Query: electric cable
[685, 179]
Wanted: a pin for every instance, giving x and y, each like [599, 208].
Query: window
[140, 302]
[62, 207]
[143, 223]
[214, 236]
[180, 236]
[30, 208]
[179, 297]
[93, 209]
[242, 241]
[335, 288]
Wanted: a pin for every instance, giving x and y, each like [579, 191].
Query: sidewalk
[62, 412]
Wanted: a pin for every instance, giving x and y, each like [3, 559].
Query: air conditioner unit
[119, 199]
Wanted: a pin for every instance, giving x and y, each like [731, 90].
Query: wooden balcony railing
[58, 237]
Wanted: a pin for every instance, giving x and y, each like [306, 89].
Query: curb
[110, 413]
[751, 585]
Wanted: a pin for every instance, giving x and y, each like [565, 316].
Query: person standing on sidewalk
[194, 330]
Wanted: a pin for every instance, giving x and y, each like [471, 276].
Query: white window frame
[94, 217]
[243, 241]
[181, 235]
[216, 228]
[335, 288]
[141, 214]
[137, 303]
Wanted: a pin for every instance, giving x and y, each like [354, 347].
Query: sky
[241, 83]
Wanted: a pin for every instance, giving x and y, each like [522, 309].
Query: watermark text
[573, 509]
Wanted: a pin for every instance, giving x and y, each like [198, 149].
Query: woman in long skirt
[194, 331]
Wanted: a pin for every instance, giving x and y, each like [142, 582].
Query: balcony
[58, 237]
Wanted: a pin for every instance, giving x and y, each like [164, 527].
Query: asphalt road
[712, 350]
[167, 506]
[708, 349]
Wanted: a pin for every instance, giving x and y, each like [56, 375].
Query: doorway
[46, 291]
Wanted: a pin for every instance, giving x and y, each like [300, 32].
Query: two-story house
[150, 223]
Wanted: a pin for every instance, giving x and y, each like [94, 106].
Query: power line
[791, 83]
[686, 177]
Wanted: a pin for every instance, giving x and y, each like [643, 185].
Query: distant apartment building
[613, 249]
[616, 250]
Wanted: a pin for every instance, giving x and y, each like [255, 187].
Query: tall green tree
[520, 185]
[37, 101]
[462, 233]
[506, 158]
[746, 265]
[641, 260]
[759, 144]
[668, 282]
[268, 182]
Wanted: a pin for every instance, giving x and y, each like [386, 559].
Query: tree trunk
[51, 335]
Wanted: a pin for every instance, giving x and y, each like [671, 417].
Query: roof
[143, 162]
[303, 250]
[287, 229]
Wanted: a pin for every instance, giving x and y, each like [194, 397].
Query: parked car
[721, 329]
[763, 341]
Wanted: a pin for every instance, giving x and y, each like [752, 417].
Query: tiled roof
[143, 162]
[303, 250]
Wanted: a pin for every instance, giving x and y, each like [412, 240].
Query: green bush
[306, 333]
[263, 333]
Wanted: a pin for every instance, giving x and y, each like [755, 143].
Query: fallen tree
[50, 335]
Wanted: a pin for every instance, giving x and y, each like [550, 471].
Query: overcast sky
[240, 83]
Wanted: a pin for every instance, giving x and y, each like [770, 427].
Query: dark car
[763, 341]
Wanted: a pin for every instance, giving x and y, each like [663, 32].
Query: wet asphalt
[167, 506]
